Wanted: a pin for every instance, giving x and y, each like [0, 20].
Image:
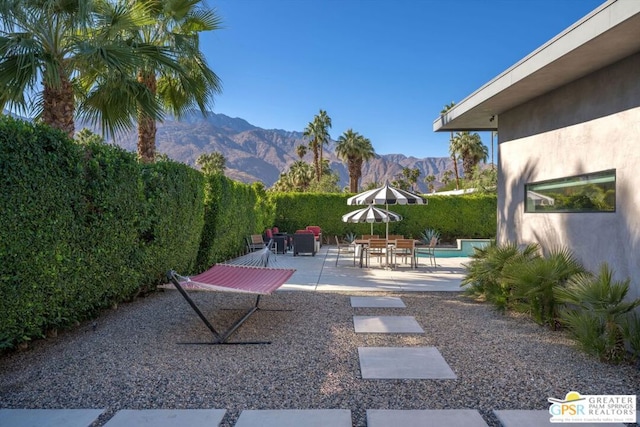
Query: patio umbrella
[372, 215]
[387, 195]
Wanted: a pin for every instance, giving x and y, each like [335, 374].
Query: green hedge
[233, 211]
[41, 182]
[173, 220]
[85, 226]
[469, 216]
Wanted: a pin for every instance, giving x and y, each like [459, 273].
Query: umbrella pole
[387, 224]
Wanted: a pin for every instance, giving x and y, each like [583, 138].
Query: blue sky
[384, 68]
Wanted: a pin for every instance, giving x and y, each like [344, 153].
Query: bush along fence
[556, 290]
[455, 217]
[85, 226]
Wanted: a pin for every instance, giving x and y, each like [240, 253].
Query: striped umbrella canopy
[387, 195]
[372, 215]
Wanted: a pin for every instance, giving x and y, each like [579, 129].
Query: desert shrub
[533, 283]
[485, 276]
[597, 315]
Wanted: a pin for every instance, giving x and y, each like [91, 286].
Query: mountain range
[255, 154]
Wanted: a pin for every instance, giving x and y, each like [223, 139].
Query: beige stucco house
[568, 123]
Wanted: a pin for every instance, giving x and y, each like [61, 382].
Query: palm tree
[176, 26]
[430, 179]
[355, 149]
[471, 149]
[446, 177]
[301, 151]
[212, 163]
[318, 133]
[77, 51]
[452, 152]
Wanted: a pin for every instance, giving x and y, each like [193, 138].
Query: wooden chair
[345, 248]
[255, 242]
[370, 236]
[394, 237]
[405, 249]
[377, 248]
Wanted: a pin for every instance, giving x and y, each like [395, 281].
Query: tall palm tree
[318, 133]
[176, 26]
[325, 120]
[471, 149]
[355, 149]
[76, 50]
[452, 152]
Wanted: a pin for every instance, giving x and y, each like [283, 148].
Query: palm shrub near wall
[557, 291]
[533, 283]
[485, 278]
[41, 183]
[598, 317]
[174, 218]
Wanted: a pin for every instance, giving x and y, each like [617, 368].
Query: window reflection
[593, 192]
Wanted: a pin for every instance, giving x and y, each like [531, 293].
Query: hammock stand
[231, 278]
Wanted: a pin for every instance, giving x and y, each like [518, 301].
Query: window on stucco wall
[591, 192]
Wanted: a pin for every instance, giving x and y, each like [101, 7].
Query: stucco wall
[590, 125]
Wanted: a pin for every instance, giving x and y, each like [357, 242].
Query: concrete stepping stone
[48, 417]
[374, 302]
[425, 418]
[533, 418]
[386, 324]
[295, 418]
[167, 418]
[403, 363]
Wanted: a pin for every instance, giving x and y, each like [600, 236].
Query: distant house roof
[608, 34]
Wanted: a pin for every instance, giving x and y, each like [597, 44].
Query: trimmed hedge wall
[40, 246]
[85, 226]
[469, 216]
[233, 211]
[174, 218]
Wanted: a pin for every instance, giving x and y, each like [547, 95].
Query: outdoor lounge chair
[317, 232]
[304, 242]
[245, 279]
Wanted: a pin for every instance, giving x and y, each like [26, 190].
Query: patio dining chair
[405, 249]
[429, 250]
[377, 248]
[370, 236]
[345, 248]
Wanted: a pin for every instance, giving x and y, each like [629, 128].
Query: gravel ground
[131, 359]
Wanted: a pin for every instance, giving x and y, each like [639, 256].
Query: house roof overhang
[608, 34]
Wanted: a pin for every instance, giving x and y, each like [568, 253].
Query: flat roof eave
[606, 35]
